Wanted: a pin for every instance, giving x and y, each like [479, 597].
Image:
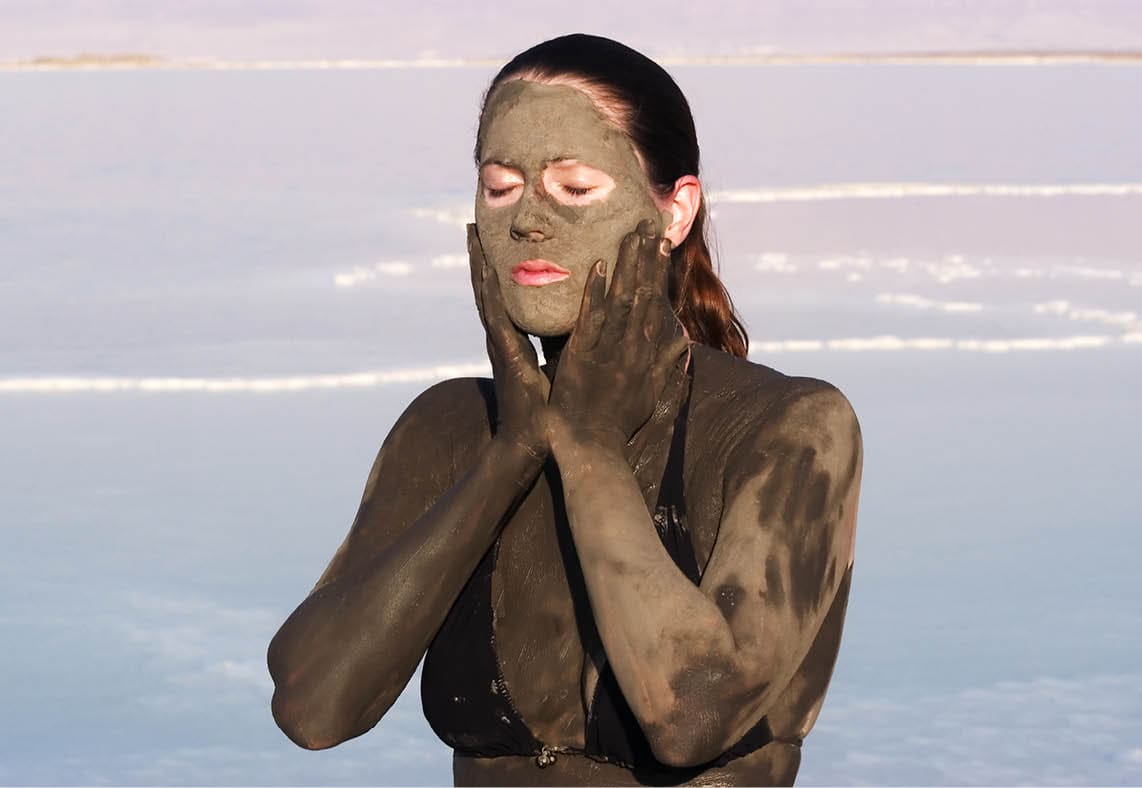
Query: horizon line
[142, 61]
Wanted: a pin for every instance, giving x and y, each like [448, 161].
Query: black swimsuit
[462, 687]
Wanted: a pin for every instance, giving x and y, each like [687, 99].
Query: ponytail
[700, 299]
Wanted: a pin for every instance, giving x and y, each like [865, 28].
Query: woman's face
[559, 188]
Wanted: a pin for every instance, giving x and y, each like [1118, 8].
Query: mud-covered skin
[527, 126]
[736, 411]
[697, 672]
[544, 629]
[771, 479]
[342, 658]
[626, 352]
[427, 516]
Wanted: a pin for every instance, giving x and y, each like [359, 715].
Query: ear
[682, 204]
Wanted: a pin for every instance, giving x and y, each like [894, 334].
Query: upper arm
[412, 470]
[786, 536]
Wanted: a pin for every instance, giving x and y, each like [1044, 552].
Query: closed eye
[574, 183]
[499, 184]
[494, 193]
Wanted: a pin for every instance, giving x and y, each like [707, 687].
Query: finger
[621, 295]
[662, 270]
[644, 320]
[592, 309]
[501, 330]
[626, 267]
[476, 266]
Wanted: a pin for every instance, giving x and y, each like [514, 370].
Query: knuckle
[645, 293]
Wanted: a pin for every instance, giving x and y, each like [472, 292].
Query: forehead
[533, 123]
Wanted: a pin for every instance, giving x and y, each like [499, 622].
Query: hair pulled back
[645, 102]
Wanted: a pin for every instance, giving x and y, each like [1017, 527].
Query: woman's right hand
[521, 388]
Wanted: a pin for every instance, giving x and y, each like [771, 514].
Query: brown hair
[639, 96]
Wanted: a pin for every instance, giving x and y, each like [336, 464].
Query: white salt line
[432, 374]
[450, 261]
[460, 216]
[145, 62]
[257, 385]
[361, 273]
[1121, 320]
[893, 343]
[890, 191]
[920, 302]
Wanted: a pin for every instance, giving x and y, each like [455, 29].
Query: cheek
[492, 227]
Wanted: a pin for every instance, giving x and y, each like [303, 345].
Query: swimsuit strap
[669, 514]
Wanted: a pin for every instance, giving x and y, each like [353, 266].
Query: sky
[309, 29]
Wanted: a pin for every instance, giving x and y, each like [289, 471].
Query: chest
[548, 648]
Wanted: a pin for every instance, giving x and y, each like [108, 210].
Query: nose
[531, 221]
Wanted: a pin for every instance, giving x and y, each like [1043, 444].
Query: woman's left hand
[623, 350]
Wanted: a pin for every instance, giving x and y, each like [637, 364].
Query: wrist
[577, 447]
[518, 458]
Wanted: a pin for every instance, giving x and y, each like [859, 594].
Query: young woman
[629, 566]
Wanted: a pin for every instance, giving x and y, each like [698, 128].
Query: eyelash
[574, 191]
[497, 192]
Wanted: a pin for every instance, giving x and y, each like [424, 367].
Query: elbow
[303, 729]
[690, 734]
[313, 717]
[683, 745]
[303, 711]
[313, 726]
[318, 705]
[703, 725]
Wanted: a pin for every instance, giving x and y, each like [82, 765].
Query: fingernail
[664, 246]
[601, 266]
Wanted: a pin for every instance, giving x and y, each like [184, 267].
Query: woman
[629, 566]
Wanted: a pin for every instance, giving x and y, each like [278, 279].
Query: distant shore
[140, 61]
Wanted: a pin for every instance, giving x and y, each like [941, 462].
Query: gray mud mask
[528, 125]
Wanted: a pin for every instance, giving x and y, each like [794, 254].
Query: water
[194, 266]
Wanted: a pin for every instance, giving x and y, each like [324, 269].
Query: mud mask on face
[527, 126]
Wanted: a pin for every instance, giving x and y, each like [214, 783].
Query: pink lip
[534, 273]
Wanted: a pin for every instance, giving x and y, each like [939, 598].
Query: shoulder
[757, 397]
[442, 424]
[762, 416]
[463, 399]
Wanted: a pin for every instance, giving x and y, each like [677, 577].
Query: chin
[544, 324]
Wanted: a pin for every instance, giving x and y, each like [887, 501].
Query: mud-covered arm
[344, 656]
[700, 666]
[435, 499]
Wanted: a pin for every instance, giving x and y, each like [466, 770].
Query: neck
[552, 349]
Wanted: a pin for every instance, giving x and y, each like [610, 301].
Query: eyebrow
[511, 165]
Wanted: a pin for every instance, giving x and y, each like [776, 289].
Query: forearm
[662, 634]
[346, 653]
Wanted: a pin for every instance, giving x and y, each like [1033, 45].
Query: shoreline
[144, 62]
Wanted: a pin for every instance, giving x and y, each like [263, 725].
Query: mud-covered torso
[546, 645]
